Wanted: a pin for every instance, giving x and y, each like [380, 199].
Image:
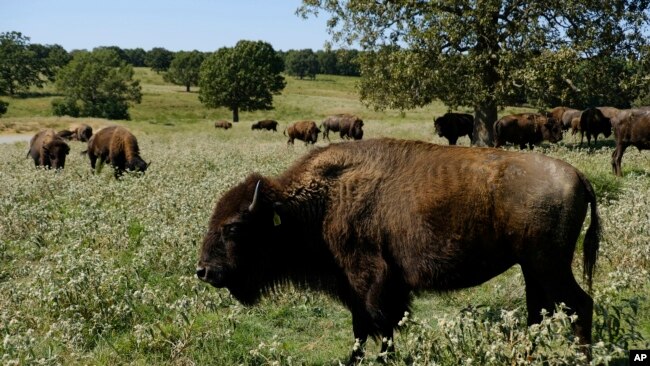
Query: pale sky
[204, 25]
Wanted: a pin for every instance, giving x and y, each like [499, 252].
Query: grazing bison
[564, 115]
[48, 149]
[81, 132]
[266, 124]
[348, 126]
[117, 146]
[592, 123]
[633, 130]
[335, 221]
[526, 128]
[454, 125]
[223, 124]
[302, 130]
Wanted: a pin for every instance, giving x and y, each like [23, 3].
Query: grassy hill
[98, 271]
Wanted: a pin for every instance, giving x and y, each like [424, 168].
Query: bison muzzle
[374, 221]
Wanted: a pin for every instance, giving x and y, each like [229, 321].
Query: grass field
[101, 272]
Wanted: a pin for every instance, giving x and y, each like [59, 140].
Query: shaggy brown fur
[48, 149]
[454, 125]
[592, 123]
[633, 129]
[82, 132]
[349, 126]
[117, 146]
[266, 124]
[223, 124]
[302, 130]
[568, 115]
[526, 128]
[575, 125]
[372, 222]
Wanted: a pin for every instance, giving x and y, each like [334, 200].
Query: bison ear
[254, 203]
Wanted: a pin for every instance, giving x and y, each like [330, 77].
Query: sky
[181, 25]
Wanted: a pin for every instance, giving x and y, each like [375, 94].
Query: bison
[302, 130]
[633, 130]
[454, 125]
[575, 125]
[82, 132]
[117, 146]
[526, 128]
[592, 123]
[48, 149]
[223, 124]
[373, 222]
[564, 115]
[266, 124]
[348, 126]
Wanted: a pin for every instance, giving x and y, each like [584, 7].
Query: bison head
[236, 252]
[552, 130]
[56, 152]
[85, 133]
[137, 165]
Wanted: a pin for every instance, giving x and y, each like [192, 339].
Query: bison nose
[201, 273]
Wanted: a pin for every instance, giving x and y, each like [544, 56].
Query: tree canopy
[97, 84]
[302, 63]
[23, 65]
[184, 69]
[244, 77]
[487, 54]
[159, 59]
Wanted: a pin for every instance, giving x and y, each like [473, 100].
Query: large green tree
[244, 77]
[159, 59]
[184, 69]
[487, 53]
[20, 66]
[302, 63]
[97, 84]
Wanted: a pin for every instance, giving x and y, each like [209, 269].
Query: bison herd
[114, 145]
[373, 222]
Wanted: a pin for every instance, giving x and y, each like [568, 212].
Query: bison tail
[285, 131]
[591, 241]
[497, 133]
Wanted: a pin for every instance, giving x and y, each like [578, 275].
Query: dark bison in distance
[82, 133]
[454, 125]
[302, 130]
[48, 149]
[117, 146]
[347, 125]
[266, 124]
[631, 130]
[564, 115]
[223, 124]
[335, 221]
[592, 123]
[526, 129]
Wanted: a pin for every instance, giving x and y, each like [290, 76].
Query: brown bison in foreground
[81, 132]
[48, 149]
[117, 146]
[349, 126]
[302, 130]
[223, 124]
[266, 124]
[335, 221]
[526, 128]
[633, 129]
[454, 125]
[592, 123]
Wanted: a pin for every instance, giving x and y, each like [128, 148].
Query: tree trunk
[485, 114]
[187, 88]
[235, 113]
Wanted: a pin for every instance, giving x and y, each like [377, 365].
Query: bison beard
[372, 222]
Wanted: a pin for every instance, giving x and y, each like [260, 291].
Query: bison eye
[231, 231]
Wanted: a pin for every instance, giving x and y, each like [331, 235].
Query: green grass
[99, 271]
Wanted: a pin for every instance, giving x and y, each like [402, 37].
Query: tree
[302, 63]
[485, 53]
[20, 68]
[241, 78]
[184, 69]
[51, 58]
[97, 84]
[347, 62]
[327, 62]
[3, 107]
[136, 56]
[159, 59]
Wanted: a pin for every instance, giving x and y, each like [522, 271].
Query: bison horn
[251, 208]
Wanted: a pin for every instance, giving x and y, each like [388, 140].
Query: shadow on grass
[26, 95]
[594, 145]
[606, 185]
